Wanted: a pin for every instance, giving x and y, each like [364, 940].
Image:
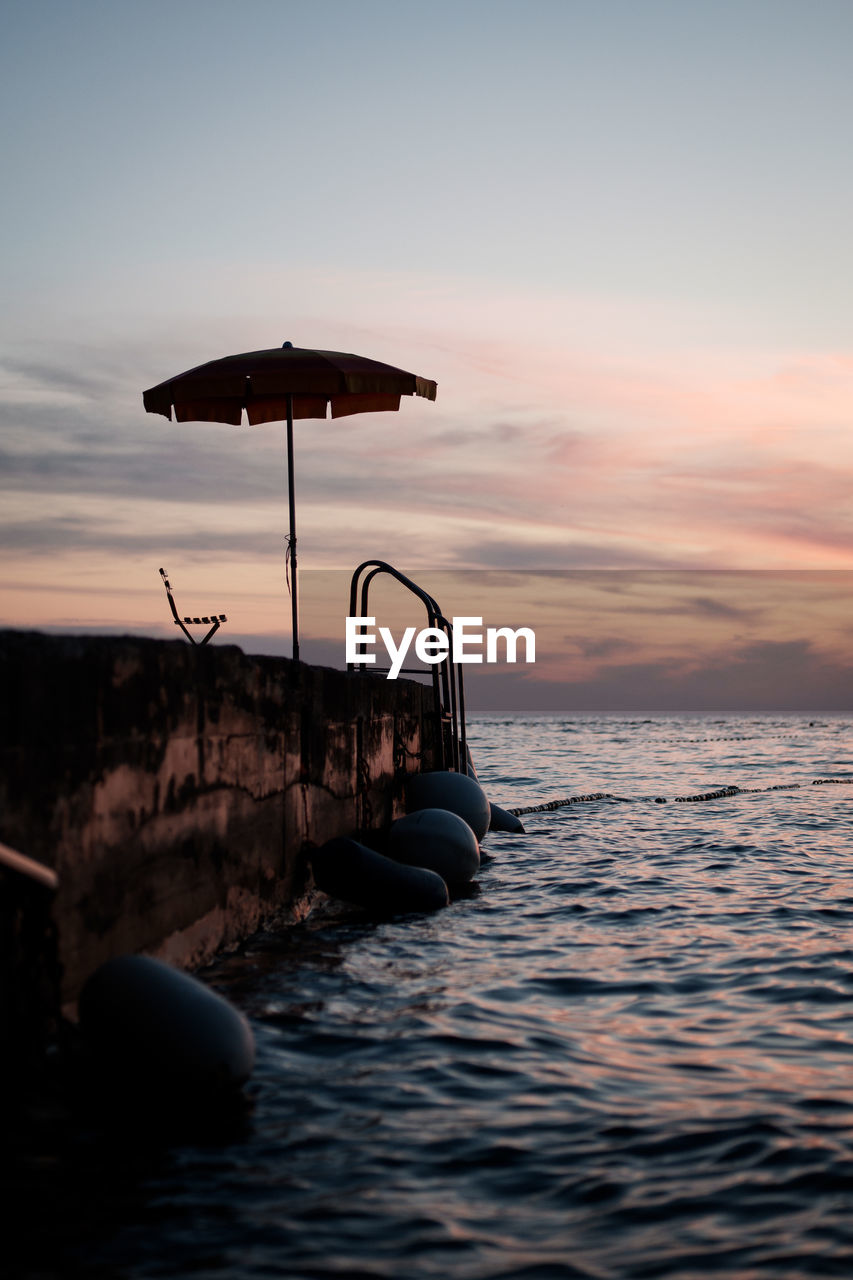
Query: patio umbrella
[283, 384]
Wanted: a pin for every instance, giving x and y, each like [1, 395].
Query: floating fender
[453, 791]
[472, 770]
[503, 821]
[147, 1020]
[439, 840]
[348, 870]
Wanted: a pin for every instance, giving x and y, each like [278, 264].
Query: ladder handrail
[444, 692]
[447, 679]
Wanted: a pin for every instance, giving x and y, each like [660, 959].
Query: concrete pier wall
[176, 790]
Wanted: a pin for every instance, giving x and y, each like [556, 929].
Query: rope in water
[736, 737]
[720, 794]
[561, 804]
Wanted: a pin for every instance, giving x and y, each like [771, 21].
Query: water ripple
[629, 1056]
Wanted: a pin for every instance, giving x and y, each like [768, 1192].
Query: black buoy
[439, 840]
[151, 1024]
[348, 870]
[501, 820]
[455, 792]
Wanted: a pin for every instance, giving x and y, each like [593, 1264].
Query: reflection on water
[631, 1055]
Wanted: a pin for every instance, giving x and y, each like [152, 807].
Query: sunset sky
[615, 232]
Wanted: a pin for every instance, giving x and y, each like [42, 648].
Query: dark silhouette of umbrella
[280, 385]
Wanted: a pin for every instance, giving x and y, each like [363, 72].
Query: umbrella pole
[291, 542]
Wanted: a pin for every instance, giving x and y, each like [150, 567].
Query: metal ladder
[447, 683]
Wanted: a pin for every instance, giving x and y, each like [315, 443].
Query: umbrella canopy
[283, 384]
[262, 381]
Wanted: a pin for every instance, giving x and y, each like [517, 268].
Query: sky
[615, 232]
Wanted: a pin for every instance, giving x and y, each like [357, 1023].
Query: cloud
[570, 552]
[40, 376]
[600, 646]
[765, 676]
[710, 607]
[63, 534]
[555, 454]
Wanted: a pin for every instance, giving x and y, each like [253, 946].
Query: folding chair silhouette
[215, 618]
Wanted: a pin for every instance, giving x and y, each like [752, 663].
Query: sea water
[627, 1053]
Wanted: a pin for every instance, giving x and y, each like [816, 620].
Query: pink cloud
[566, 431]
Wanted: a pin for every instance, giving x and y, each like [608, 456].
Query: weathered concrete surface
[175, 790]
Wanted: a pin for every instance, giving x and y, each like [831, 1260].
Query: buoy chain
[719, 794]
[709, 795]
[754, 791]
[561, 804]
[737, 791]
[736, 737]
